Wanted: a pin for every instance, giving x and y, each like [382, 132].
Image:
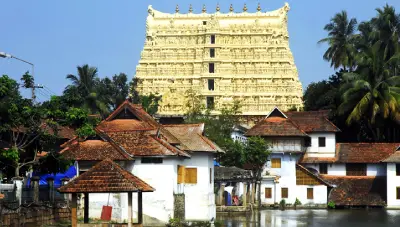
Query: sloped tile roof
[106, 176]
[124, 125]
[275, 126]
[394, 158]
[191, 138]
[143, 143]
[94, 150]
[357, 190]
[364, 152]
[312, 121]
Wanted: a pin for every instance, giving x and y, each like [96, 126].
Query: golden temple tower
[221, 56]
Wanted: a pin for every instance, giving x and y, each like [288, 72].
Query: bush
[282, 204]
[297, 202]
[176, 222]
[331, 205]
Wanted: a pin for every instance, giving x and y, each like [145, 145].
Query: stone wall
[179, 206]
[34, 216]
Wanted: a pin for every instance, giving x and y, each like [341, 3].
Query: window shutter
[276, 162]
[310, 193]
[268, 193]
[191, 175]
[398, 193]
[285, 193]
[181, 174]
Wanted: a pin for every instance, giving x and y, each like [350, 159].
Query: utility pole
[6, 55]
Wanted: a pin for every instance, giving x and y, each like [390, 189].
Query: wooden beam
[140, 208]
[129, 209]
[86, 209]
[74, 215]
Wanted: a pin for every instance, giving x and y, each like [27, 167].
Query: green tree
[149, 102]
[340, 41]
[372, 91]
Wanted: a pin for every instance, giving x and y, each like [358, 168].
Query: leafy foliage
[149, 102]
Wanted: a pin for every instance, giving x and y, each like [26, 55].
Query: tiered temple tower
[221, 56]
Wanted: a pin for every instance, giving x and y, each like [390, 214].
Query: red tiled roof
[312, 121]
[394, 158]
[124, 125]
[275, 126]
[306, 159]
[191, 138]
[143, 143]
[357, 190]
[364, 152]
[94, 150]
[106, 176]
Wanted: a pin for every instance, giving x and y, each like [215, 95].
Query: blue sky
[59, 35]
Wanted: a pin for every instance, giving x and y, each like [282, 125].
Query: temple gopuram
[221, 57]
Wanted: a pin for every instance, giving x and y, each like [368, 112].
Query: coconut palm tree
[372, 90]
[340, 40]
[386, 30]
[87, 84]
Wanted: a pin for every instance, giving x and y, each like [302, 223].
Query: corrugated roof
[106, 176]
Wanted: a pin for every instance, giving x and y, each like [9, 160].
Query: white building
[177, 160]
[307, 163]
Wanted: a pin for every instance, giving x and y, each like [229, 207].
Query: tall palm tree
[87, 83]
[371, 91]
[387, 30]
[340, 40]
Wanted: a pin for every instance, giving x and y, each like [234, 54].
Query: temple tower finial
[244, 8]
[218, 9]
[259, 7]
[190, 8]
[204, 8]
[231, 8]
[177, 9]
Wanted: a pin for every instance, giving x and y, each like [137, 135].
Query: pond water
[324, 218]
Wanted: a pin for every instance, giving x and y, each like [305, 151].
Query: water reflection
[325, 218]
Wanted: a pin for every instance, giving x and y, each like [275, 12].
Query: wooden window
[152, 160]
[191, 175]
[303, 178]
[268, 193]
[323, 168]
[353, 169]
[307, 142]
[321, 141]
[204, 22]
[285, 193]
[276, 162]
[181, 174]
[310, 193]
[398, 193]
[397, 169]
[212, 53]
[211, 67]
[212, 39]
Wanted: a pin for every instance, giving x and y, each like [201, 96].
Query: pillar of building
[86, 208]
[140, 208]
[35, 186]
[130, 209]
[253, 192]
[221, 194]
[65, 181]
[244, 194]
[18, 182]
[74, 211]
[50, 183]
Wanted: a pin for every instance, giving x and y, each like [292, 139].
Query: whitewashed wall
[200, 198]
[337, 169]
[327, 151]
[287, 174]
[393, 181]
